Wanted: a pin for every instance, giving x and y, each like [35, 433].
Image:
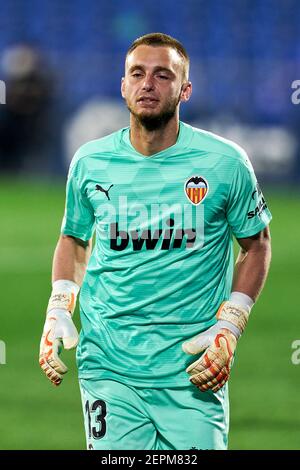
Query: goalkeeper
[161, 308]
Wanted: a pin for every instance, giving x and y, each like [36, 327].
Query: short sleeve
[247, 211]
[79, 218]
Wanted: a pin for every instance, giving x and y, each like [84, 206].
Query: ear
[123, 87]
[186, 91]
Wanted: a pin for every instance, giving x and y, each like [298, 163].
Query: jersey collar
[184, 137]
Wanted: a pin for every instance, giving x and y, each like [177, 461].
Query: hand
[59, 331]
[212, 370]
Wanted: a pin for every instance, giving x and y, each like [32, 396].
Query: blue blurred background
[245, 54]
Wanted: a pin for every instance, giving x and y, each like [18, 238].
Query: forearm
[212, 370]
[70, 259]
[252, 265]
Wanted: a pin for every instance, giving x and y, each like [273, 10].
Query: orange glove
[59, 330]
[212, 370]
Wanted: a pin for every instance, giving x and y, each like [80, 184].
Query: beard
[155, 121]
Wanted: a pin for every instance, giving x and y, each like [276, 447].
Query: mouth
[147, 100]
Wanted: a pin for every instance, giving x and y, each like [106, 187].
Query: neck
[150, 142]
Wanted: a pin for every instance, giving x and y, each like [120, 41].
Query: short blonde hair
[160, 40]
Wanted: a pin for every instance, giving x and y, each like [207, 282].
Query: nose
[147, 83]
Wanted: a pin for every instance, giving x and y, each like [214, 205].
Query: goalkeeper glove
[212, 370]
[59, 330]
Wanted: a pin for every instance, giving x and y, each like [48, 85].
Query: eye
[163, 77]
[136, 74]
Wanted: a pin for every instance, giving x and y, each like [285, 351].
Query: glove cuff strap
[63, 296]
[233, 314]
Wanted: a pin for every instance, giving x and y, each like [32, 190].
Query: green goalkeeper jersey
[162, 261]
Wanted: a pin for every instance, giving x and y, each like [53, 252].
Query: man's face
[153, 85]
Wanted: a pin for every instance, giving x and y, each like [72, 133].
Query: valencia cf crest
[196, 189]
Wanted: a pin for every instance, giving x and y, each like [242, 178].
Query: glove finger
[55, 361]
[203, 378]
[210, 365]
[70, 342]
[199, 365]
[214, 383]
[212, 374]
[220, 385]
[59, 367]
[209, 360]
[210, 377]
[52, 375]
[196, 345]
[207, 386]
[207, 375]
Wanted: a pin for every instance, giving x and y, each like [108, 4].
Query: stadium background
[61, 63]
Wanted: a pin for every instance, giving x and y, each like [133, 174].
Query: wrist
[230, 326]
[242, 300]
[234, 315]
[65, 285]
[58, 313]
[63, 296]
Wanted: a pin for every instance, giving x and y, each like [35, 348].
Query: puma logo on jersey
[105, 191]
